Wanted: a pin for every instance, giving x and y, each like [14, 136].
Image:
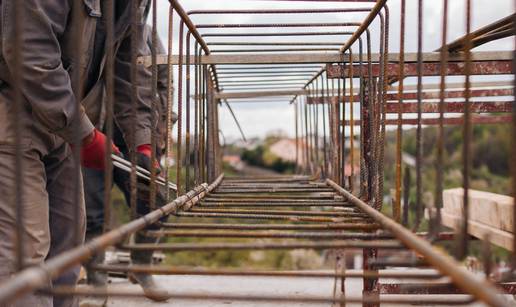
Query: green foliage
[254, 156]
[490, 154]
[262, 157]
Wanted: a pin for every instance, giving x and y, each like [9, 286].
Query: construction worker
[94, 179]
[51, 120]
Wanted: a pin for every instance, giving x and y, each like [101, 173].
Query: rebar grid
[343, 93]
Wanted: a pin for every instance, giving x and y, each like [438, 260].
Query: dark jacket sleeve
[46, 84]
[163, 98]
[144, 101]
[141, 126]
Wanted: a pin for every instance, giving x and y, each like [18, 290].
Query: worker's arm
[136, 127]
[45, 83]
[162, 88]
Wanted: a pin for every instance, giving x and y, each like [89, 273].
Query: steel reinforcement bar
[36, 277]
[466, 280]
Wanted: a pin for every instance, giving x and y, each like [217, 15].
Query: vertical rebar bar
[396, 208]
[419, 132]
[435, 226]
[154, 104]
[180, 110]
[187, 106]
[351, 121]
[109, 9]
[466, 149]
[170, 96]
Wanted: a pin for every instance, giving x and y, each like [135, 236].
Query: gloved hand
[94, 151]
[143, 159]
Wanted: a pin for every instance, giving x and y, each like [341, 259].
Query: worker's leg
[35, 227]
[146, 281]
[94, 199]
[67, 213]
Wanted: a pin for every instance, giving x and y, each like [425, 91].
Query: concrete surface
[237, 286]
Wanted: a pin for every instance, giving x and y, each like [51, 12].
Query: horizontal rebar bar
[481, 289]
[207, 247]
[273, 204]
[171, 270]
[282, 212]
[390, 299]
[311, 199]
[293, 218]
[31, 278]
[272, 190]
[270, 235]
[312, 227]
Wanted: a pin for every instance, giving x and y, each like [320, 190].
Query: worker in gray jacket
[94, 179]
[51, 119]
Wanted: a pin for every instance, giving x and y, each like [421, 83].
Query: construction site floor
[239, 286]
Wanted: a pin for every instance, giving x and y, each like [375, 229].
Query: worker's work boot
[95, 279]
[145, 280]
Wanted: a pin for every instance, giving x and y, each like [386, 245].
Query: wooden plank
[496, 236]
[490, 209]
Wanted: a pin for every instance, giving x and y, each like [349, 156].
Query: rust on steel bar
[311, 227]
[276, 34]
[398, 300]
[293, 218]
[364, 25]
[503, 92]
[502, 67]
[321, 58]
[285, 212]
[169, 270]
[267, 204]
[271, 235]
[272, 50]
[207, 247]
[433, 287]
[479, 288]
[452, 107]
[274, 44]
[460, 44]
[35, 277]
[279, 25]
[478, 120]
[191, 26]
[279, 11]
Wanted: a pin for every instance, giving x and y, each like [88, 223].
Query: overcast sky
[259, 119]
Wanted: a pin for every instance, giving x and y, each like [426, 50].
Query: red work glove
[93, 153]
[144, 157]
[145, 149]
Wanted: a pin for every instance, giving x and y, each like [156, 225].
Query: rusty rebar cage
[335, 65]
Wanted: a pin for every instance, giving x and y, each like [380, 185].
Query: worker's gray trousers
[51, 203]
